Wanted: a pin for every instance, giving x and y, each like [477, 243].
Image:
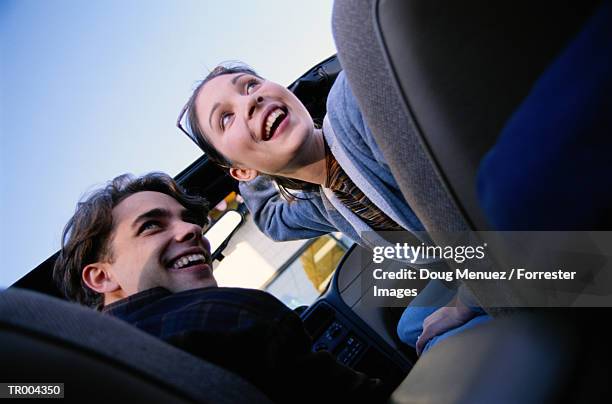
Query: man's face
[155, 243]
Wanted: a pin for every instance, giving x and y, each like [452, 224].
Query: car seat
[103, 359]
[437, 82]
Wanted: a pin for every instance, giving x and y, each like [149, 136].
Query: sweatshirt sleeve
[280, 219]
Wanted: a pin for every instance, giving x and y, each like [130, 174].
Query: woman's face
[255, 123]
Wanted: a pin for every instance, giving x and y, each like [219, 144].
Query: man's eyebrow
[151, 214]
[188, 215]
[212, 111]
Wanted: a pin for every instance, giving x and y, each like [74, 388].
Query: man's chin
[210, 283]
[194, 283]
[194, 277]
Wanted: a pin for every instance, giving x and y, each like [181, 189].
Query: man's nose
[187, 231]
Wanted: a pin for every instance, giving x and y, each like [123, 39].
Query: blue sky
[90, 90]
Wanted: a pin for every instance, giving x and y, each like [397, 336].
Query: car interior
[436, 82]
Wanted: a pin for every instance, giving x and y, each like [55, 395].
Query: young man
[135, 250]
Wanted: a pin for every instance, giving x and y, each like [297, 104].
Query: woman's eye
[225, 117]
[250, 85]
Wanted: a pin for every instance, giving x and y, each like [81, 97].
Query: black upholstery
[101, 358]
[458, 70]
[464, 67]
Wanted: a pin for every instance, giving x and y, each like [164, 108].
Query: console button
[320, 347]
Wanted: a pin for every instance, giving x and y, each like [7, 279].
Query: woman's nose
[256, 101]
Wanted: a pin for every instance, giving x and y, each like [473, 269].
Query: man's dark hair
[86, 237]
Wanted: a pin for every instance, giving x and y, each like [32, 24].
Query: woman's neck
[311, 164]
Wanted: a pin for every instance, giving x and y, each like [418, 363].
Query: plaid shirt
[249, 332]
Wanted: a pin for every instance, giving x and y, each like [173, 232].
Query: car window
[296, 272]
[309, 271]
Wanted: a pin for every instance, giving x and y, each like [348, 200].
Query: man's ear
[243, 174]
[97, 277]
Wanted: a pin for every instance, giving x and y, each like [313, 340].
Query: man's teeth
[271, 119]
[184, 261]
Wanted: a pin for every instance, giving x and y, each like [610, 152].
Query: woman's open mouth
[273, 122]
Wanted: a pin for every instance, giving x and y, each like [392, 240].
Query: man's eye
[150, 225]
[225, 118]
[250, 85]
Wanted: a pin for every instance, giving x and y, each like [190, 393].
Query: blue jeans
[431, 298]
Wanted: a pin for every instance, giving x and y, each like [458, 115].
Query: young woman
[262, 133]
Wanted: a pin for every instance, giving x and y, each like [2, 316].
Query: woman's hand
[442, 320]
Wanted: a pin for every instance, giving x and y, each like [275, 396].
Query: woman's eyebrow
[237, 77]
[212, 111]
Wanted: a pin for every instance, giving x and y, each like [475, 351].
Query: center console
[357, 337]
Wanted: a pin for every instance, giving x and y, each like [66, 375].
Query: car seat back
[436, 82]
[98, 357]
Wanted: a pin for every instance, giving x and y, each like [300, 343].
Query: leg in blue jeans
[435, 295]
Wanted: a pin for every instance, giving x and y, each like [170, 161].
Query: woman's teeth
[274, 115]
